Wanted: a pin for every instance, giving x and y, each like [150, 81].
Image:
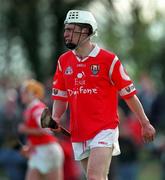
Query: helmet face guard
[81, 17]
[74, 45]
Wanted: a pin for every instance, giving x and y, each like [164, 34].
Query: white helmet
[83, 17]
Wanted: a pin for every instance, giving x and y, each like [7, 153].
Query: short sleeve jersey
[91, 87]
[31, 119]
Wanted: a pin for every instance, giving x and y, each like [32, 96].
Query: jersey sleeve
[121, 80]
[37, 115]
[59, 91]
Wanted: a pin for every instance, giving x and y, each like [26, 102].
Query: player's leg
[55, 174]
[84, 163]
[95, 154]
[48, 159]
[101, 148]
[99, 163]
[33, 174]
[55, 163]
[81, 153]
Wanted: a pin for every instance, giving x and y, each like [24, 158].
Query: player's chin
[67, 41]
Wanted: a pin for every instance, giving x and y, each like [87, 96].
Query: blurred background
[31, 40]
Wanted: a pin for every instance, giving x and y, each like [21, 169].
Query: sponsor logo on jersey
[69, 70]
[80, 75]
[82, 90]
[80, 79]
[130, 88]
[102, 142]
[79, 82]
[81, 65]
[95, 69]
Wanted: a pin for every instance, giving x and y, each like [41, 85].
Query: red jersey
[32, 117]
[91, 87]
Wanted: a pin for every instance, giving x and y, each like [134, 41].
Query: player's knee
[96, 176]
[92, 177]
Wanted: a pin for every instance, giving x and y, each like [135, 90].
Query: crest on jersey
[95, 69]
[69, 70]
[54, 91]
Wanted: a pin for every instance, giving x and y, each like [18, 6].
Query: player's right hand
[148, 132]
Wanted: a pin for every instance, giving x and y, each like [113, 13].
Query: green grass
[2, 175]
[150, 168]
[150, 171]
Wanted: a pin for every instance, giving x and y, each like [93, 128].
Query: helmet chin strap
[83, 41]
[73, 46]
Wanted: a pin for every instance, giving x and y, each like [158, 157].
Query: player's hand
[61, 129]
[22, 128]
[58, 127]
[26, 151]
[148, 132]
[47, 121]
[57, 130]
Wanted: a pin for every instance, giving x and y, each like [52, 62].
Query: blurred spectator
[146, 93]
[11, 161]
[72, 169]
[113, 170]
[128, 160]
[158, 119]
[130, 127]
[158, 111]
[10, 115]
[159, 150]
[43, 150]
[4, 82]
[130, 142]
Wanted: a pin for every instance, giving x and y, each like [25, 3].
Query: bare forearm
[35, 131]
[30, 131]
[148, 131]
[59, 107]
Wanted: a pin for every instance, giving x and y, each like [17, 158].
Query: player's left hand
[148, 132]
[22, 127]
[26, 151]
[56, 130]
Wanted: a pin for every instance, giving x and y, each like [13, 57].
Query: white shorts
[46, 157]
[105, 138]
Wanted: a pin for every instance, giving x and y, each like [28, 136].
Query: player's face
[25, 97]
[73, 35]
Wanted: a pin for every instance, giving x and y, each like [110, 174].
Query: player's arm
[59, 107]
[37, 131]
[59, 94]
[148, 131]
[120, 78]
[22, 128]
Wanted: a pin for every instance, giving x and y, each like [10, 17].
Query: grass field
[150, 170]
